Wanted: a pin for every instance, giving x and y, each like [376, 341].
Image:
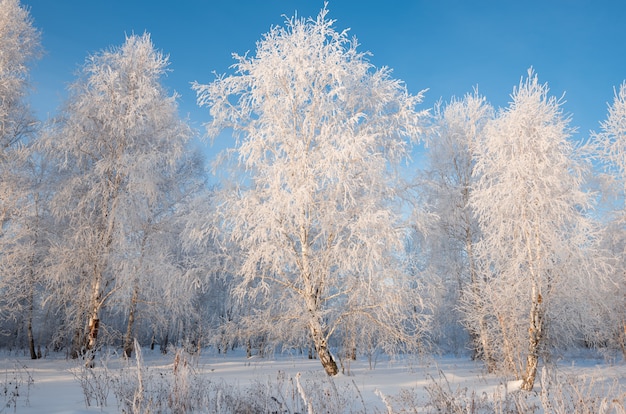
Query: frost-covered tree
[19, 46]
[446, 186]
[24, 248]
[535, 240]
[19, 209]
[610, 151]
[320, 133]
[159, 267]
[212, 261]
[118, 140]
[611, 141]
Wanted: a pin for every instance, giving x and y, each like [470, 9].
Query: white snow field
[231, 383]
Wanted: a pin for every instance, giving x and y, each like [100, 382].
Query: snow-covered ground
[293, 383]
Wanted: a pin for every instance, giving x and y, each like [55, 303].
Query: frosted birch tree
[610, 151]
[535, 235]
[19, 46]
[447, 183]
[24, 248]
[319, 134]
[159, 267]
[20, 244]
[118, 137]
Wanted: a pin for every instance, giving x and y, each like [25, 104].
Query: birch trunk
[318, 334]
[29, 329]
[622, 339]
[29, 323]
[314, 284]
[128, 338]
[93, 324]
[321, 346]
[535, 332]
[129, 341]
[98, 295]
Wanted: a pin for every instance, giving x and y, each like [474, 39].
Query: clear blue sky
[449, 47]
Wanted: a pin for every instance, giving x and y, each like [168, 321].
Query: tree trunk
[480, 338]
[349, 340]
[31, 340]
[481, 346]
[319, 340]
[93, 324]
[29, 324]
[93, 328]
[312, 300]
[98, 287]
[621, 338]
[318, 334]
[77, 343]
[164, 343]
[128, 338]
[510, 352]
[92, 339]
[532, 361]
[535, 332]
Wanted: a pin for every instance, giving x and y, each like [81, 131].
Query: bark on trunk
[93, 324]
[164, 344]
[352, 354]
[94, 328]
[31, 340]
[326, 358]
[622, 339]
[128, 338]
[482, 349]
[349, 342]
[532, 360]
[535, 335]
[29, 326]
[314, 287]
[510, 354]
[77, 343]
[99, 285]
[128, 341]
[480, 339]
[92, 339]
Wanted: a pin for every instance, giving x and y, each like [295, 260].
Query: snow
[403, 383]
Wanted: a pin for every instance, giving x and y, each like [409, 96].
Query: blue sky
[446, 46]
